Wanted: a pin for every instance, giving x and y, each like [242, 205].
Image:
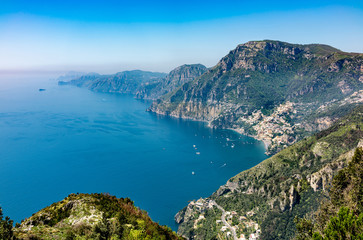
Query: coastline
[239, 131]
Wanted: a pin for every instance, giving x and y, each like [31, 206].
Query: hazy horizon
[112, 36]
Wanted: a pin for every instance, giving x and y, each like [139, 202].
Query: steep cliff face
[123, 82]
[261, 76]
[173, 80]
[289, 184]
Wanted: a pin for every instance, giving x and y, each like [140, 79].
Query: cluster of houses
[244, 224]
[273, 129]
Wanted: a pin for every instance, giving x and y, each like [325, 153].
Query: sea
[57, 140]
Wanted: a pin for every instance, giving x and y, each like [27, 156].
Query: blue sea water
[67, 140]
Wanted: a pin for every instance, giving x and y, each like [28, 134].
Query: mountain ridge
[177, 77]
[121, 82]
[258, 77]
[142, 84]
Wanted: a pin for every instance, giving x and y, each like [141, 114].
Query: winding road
[223, 218]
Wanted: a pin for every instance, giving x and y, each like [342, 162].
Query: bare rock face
[344, 87]
[335, 67]
[286, 200]
[293, 196]
[230, 186]
[324, 123]
[321, 180]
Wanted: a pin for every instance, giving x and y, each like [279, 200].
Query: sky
[111, 36]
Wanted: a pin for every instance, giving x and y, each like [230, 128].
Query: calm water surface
[67, 140]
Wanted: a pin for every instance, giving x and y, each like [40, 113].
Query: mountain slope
[173, 80]
[265, 199]
[92, 216]
[342, 216]
[123, 82]
[272, 90]
[144, 85]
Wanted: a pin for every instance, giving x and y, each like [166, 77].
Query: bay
[66, 140]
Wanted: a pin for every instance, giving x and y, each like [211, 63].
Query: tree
[304, 228]
[346, 225]
[6, 227]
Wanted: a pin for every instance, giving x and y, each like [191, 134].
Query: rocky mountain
[263, 201]
[144, 85]
[92, 216]
[275, 91]
[172, 81]
[122, 82]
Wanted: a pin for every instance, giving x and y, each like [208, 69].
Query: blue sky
[110, 36]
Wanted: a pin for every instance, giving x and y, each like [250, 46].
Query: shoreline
[208, 123]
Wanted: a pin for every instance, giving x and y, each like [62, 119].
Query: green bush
[6, 227]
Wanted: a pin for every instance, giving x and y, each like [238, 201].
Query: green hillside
[266, 199]
[342, 216]
[88, 216]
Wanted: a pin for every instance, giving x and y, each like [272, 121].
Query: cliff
[265, 199]
[176, 78]
[275, 91]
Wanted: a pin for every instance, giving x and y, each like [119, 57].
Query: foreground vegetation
[342, 216]
[6, 227]
[88, 216]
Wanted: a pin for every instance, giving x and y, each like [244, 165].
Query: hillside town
[229, 224]
[275, 130]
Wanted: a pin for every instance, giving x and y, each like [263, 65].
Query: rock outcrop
[176, 78]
